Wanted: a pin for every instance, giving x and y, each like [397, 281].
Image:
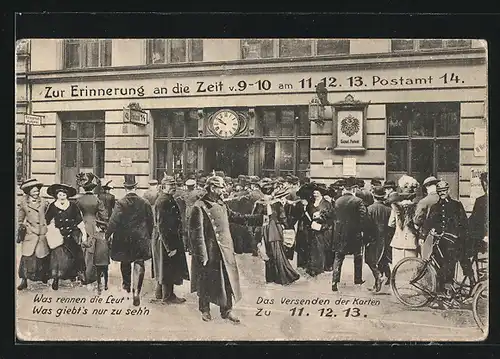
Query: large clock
[225, 124]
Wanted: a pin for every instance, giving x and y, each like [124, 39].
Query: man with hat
[151, 195]
[191, 196]
[169, 258]
[131, 225]
[448, 216]
[214, 273]
[32, 230]
[378, 237]
[362, 193]
[390, 187]
[478, 220]
[422, 212]
[106, 197]
[350, 213]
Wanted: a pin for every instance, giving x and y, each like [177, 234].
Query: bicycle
[414, 283]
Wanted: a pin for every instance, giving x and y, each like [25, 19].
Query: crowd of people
[215, 217]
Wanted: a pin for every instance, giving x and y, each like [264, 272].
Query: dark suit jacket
[350, 213]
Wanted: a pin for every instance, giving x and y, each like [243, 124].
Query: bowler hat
[430, 181]
[57, 187]
[216, 181]
[27, 185]
[379, 192]
[129, 182]
[350, 182]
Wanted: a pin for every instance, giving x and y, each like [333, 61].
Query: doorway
[230, 156]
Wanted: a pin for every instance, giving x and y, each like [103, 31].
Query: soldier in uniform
[214, 273]
[448, 216]
[131, 225]
[170, 264]
[191, 196]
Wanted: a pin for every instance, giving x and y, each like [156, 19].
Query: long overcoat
[211, 241]
[478, 224]
[169, 270]
[151, 195]
[109, 201]
[94, 215]
[32, 215]
[421, 213]
[377, 233]
[244, 239]
[131, 225]
[350, 214]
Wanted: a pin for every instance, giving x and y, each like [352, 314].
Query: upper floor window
[164, 51]
[23, 47]
[286, 48]
[416, 45]
[87, 53]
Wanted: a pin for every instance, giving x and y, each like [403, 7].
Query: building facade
[242, 106]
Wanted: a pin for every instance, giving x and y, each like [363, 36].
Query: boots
[158, 291]
[55, 284]
[23, 285]
[139, 278]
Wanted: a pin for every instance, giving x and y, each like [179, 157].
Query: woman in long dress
[66, 232]
[35, 259]
[404, 242]
[277, 269]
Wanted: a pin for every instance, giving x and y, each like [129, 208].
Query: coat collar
[34, 204]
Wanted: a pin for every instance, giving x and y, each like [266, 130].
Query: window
[295, 48]
[87, 53]
[82, 144]
[20, 160]
[176, 148]
[332, 47]
[162, 51]
[422, 140]
[285, 48]
[257, 48]
[286, 142]
[416, 45]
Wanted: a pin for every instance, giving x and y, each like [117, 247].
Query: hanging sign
[125, 162]
[349, 166]
[134, 114]
[349, 125]
[476, 189]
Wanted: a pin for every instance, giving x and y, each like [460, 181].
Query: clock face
[225, 123]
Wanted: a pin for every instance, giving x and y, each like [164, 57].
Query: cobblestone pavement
[380, 317]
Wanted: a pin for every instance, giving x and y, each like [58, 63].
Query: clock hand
[225, 124]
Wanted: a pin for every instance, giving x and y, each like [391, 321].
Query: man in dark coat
[171, 265]
[448, 216]
[350, 213]
[214, 273]
[151, 195]
[131, 225]
[152, 192]
[478, 220]
[377, 237]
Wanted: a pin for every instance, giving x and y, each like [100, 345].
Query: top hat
[429, 181]
[379, 192]
[129, 182]
[442, 186]
[55, 188]
[27, 185]
[216, 181]
[390, 184]
[350, 182]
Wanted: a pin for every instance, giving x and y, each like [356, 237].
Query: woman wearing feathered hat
[405, 240]
[277, 269]
[32, 230]
[65, 232]
[95, 217]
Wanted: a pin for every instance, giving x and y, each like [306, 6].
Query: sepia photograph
[259, 189]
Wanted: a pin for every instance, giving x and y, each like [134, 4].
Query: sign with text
[35, 120]
[349, 166]
[166, 85]
[135, 116]
[480, 143]
[476, 189]
[125, 162]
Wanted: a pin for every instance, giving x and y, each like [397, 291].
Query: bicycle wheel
[480, 307]
[413, 282]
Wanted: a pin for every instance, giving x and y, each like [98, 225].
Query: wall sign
[476, 189]
[349, 166]
[125, 162]
[35, 120]
[480, 143]
[349, 125]
[134, 114]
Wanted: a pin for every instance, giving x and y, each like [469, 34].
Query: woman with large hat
[277, 269]
[65, 232]
[32, 230]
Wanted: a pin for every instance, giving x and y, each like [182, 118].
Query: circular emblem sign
[349, 126]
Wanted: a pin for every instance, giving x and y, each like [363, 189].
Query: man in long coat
[478, 220]
[151, 195]
[214, 273]
[170, 264]
[350, 213]
[422, 212]
[131, 225]
[377, 237]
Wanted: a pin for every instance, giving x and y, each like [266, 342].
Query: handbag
[21, 233]
[54, 236]
[288, 238]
